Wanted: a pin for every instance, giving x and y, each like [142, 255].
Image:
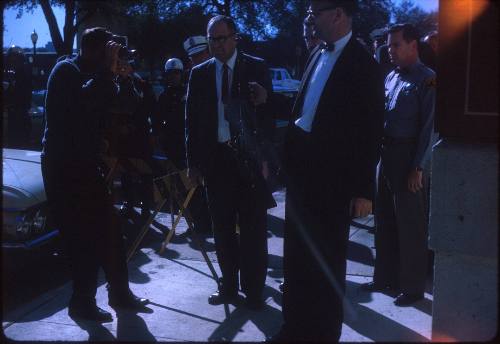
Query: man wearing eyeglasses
[227, 135]
[331, 153]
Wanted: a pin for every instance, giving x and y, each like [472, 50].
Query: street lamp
[34, 38]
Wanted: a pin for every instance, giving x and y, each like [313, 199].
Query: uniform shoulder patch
[430, 82]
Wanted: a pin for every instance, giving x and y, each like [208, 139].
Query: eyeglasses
[220, 39]
[319, 11]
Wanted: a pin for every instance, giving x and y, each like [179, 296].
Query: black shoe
[375, 287]
[254, 303]
[128, 301]
[281, 287]
[89, 312]
[407, 299]
[218, 298]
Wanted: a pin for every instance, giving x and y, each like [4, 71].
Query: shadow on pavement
[275, 225]
[132, 327]
[266, 320]
[374, 325]
[97, 332]
[360, 253]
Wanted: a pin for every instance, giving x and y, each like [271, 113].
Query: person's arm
[192, 111]
[427, 100]
[368, 133]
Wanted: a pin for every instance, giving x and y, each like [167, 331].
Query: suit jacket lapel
[336, 79]
[311, 62]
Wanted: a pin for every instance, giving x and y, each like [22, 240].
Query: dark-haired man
[226, 136]
[331, 153]
[401, 235]
[80, 91]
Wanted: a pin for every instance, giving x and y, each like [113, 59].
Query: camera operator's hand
[111, 53]
[258, 94]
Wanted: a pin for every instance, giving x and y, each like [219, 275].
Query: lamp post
[34, 38]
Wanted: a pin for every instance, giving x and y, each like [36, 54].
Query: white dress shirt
[319, 77]
[224, 134]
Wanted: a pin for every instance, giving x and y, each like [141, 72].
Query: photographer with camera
[226, 135]
[17, 97]
[80, 92]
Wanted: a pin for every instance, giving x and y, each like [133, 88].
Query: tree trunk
[69, 27]
[55, 34]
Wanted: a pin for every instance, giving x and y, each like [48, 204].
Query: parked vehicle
[283, 82]
[24, 204]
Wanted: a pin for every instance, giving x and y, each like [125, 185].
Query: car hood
[22, 179]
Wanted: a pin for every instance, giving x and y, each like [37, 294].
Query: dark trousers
[315, 247]
[232, 200]
[401, 220]
[83, 212]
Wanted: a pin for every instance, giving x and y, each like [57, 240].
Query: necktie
[225, 84]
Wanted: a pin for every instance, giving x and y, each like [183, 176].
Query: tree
[408, 12]
[77, 13]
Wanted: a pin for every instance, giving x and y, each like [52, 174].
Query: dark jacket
[75, 107]
[202, 116]
[347, 128]
[169, 124]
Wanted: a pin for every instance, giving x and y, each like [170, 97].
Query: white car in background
[24, 204]
[283, 82]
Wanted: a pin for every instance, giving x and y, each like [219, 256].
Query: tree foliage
[408, 12]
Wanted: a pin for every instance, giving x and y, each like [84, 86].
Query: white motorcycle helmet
[174, 64]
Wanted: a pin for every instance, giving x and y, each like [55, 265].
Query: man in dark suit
[331, 153]
[227, 130]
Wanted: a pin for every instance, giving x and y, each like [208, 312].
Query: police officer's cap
[174, 64]
[195, 44]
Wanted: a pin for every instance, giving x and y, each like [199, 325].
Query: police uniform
[401, 235]
[169, 123]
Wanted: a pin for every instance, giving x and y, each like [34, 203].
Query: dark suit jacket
[202, 115]
[348, 124]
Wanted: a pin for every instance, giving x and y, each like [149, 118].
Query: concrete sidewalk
[179, 282]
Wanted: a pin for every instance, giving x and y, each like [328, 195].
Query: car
[25, 221]
[283, 82]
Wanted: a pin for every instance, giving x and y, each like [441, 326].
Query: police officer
[169, 114]
[169, 127]
[401, 235]
[197, 49]
[17, 98]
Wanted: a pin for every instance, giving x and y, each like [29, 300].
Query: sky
[18, 31]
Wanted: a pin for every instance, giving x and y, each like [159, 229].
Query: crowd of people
[355, 108]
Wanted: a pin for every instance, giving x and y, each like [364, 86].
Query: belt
[389, 140]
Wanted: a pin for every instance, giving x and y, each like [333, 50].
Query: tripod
[172, 185]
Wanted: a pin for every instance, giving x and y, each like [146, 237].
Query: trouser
[315, 248]
[232, 200]
[401, 235]
[82, 210]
